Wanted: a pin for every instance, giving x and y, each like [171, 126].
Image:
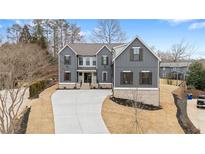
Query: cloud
[175, 22]
[197, 25]
[18, 22]
[1, 26]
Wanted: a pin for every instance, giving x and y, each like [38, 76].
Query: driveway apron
[79, 111]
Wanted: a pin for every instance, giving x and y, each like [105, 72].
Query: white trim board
[131, 88]
[102, 48]
[60, 83]
[68, 47]
[104, 83]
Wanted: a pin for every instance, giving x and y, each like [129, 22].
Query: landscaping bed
[22, 121]
[131, 103]
[41, 120]
[122, 119]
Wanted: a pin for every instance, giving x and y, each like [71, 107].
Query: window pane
[135, 54]
[87, 61]
[80, 60]
[126, 77]
[145, 77]
[67, 76]
[105, 60]
[67, 59]
[94, 62]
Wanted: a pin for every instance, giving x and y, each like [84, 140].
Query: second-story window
[80, 60]
[67, 60]
[136, 54]
[94, 62]
[104, 60]
[87, 61]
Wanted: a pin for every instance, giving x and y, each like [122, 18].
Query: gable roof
[89, 48]
[121, 48]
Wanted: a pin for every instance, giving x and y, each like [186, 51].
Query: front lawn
[121, 119]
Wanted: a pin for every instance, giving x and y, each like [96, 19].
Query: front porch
[86, 76]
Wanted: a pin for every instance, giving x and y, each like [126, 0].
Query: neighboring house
[174, 70]
[132, 70]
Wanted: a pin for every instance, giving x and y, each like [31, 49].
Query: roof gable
[122, 48]
[67, 46]
[104, 46]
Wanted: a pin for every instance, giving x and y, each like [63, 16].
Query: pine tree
[38, 34]
[25, 36]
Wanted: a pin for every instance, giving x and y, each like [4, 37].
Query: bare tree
[135, 100]
[181, 51]
[75, 35]
[13, 33]
[108, 31]
[18, 66]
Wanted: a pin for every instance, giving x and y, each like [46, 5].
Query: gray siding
[149, 63]
[107, 68]
[72, 67]
[165, 71]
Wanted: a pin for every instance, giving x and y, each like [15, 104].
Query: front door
[87, 77]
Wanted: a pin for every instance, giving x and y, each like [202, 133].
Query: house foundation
[144, 95]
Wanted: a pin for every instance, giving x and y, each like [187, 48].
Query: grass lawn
[41, 120]
[121, 119]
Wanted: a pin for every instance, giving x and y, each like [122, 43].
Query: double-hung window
[136, 54]
[104, 60]
[67, 59]
[81, 61]
[67, 76]
[126, 77]
[87, 61]
[145, 77]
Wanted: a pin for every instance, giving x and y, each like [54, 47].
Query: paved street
[197, 116]
[79, 111]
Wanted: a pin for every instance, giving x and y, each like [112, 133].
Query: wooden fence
[171, 82]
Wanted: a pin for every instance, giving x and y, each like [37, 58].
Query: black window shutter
[107, 60]
[121, 77]
[131, 54]
[102, 60]
[140, 75]
[69, 60]
[141, 54]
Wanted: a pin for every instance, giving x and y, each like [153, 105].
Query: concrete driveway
[79, 111]
[196, 115]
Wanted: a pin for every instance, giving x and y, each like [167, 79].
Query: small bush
[36, 88]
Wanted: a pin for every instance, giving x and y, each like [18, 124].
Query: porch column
[82, 77]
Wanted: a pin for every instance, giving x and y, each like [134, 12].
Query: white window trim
[91, 59]
[106, 75]
[145, 71]
[105, 56]
[127, 71]
[64, 58]
[79, 61]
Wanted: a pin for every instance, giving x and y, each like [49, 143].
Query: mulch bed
[134, 104]
[22, 121]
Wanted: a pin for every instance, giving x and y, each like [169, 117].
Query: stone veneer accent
[147, 96]
[67, 86]
[105, 85]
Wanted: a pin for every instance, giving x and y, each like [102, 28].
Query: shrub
[196, 76]
[36, 88]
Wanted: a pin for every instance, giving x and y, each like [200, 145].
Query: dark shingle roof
[90, 48]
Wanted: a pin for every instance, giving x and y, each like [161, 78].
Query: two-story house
[132, 69]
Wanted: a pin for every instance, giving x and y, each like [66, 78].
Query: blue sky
[159, 33]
